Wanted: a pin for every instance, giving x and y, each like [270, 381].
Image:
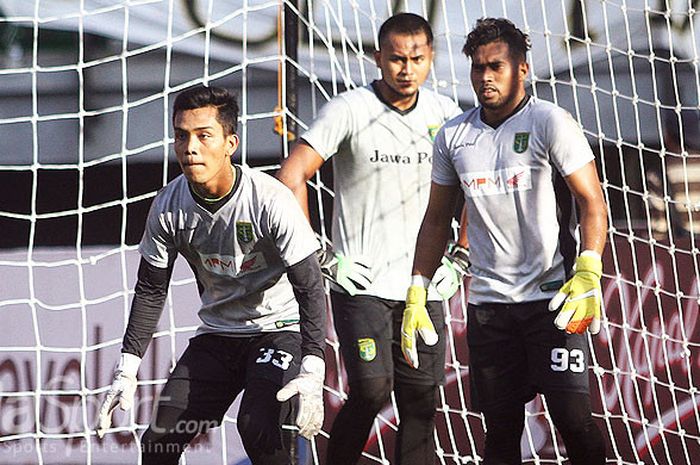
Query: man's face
[497, 79]
[202, 149]
[405, 61]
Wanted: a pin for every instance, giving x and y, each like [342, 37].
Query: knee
[571, 414]
[157, 448]
[259, 432]
[417, 401]
[370, 394]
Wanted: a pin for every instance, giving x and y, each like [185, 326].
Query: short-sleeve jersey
[521, 214]
[238, 254]
[381, 165]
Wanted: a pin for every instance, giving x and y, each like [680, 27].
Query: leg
[415, 444]
[259, 423]
[499, 378]
[416, 391]
[504, 429]
[273, 361]
[194, 399]
[559, 364]
[354, 421]
[363, 325]
[571, 414]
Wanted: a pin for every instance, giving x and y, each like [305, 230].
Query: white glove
[351, 275]
[309, 385]
[121, 392]
[455, 266]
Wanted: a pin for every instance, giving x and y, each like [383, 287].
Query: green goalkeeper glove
[416, 320]
[455, 266]
[352, 276]
[581, 296]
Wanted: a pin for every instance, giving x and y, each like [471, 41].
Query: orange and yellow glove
[581, 297]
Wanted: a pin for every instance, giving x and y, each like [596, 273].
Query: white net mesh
[86, 89]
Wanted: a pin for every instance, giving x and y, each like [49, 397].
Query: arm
[297, 169]
[462, 236]
[435, 229]
[151, 290]
[581, 295]
[455, 262]
[307, 284]
[150, 293]
[306, 281]
[585, 187]
[430, 245]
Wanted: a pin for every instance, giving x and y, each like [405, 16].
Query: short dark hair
[489, 30]
[405, 23]
[218, 97]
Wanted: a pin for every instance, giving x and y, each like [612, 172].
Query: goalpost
[86, 89]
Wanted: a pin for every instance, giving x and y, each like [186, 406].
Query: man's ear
[523, 69]
[232, 142]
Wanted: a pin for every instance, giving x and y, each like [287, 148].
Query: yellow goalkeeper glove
[416, 319]
[581, 296]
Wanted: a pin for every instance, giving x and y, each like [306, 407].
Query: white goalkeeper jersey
[238, 253]
[521, 213]
[381, 168]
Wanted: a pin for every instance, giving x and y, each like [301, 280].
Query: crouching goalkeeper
[523, 166]
[253, 255]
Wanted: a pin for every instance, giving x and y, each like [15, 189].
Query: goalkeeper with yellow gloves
[526, 170]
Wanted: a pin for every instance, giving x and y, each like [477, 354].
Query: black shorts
[369, 332]
[214, 369]
[515, 352]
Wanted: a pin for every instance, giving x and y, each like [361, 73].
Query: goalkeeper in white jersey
[380, 137]
[524, 167]
[253, 255]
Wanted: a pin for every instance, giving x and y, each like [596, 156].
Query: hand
[309, 385]
[351, 275]
[455, 266]
[581, 296]
[416, 319]
[121, 393]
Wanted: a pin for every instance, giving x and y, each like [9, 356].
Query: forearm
[430, 246]
[150, 294]
[462, 234]
[594, 226]
[307, 284]
[297, 169]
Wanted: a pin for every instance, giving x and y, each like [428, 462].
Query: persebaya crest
[521, 141]
[244, 231]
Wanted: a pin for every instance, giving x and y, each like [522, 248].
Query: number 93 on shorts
[516, 351]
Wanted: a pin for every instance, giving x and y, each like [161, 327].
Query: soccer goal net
[86, 87]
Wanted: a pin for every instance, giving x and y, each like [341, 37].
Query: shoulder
[354, 96]
[171, 195]
[459, 124]
[542, 110]
[263, 186]
[552, 118]
[446, 103]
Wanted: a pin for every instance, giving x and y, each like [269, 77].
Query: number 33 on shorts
[565, 359]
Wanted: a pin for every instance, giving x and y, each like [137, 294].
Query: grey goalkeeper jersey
[238, 254]
[381, 167]
[521, 213]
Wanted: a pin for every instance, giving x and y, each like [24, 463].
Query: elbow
[292, 179]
